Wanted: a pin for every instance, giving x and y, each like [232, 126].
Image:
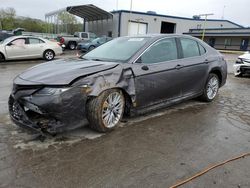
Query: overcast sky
[234, 10]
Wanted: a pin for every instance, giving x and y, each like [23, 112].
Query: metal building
[131, 23]
[221, 34]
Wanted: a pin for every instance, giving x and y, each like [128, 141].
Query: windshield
[120, 49]
[95, 40]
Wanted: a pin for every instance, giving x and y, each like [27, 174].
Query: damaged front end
[49, 109]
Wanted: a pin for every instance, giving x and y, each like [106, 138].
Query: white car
[242, 64]
[28, 47]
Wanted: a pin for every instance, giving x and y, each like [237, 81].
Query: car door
[17, 49]
[156, 73]
[193, 66]
[35, 47]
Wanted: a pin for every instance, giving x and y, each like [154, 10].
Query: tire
[211, 88]
[72, 45]
[239, 75]
[99, 111]
[49, 55]
[2, 59]
[91, 48]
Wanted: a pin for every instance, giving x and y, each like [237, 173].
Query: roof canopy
[89, 12]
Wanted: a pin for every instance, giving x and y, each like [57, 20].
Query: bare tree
[7, 18]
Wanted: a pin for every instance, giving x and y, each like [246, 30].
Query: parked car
[71, 41]
[88, 46]
[4, 35]
[242, 65]
[28, 47]
[126, 74]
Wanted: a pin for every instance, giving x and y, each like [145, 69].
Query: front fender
[117, 77]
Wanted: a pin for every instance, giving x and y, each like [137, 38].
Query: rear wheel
[2, 59]
[105, 111]
[211, 88]
[72, 45]
[48, 55]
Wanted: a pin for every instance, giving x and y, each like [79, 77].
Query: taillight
[62, 40]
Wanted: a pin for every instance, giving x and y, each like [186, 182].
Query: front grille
[17, 88]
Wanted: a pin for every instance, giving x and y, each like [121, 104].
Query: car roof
[25, 36]
[157, 36]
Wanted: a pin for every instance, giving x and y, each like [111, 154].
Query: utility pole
[116, 4]
[223, 12]
[204, 25]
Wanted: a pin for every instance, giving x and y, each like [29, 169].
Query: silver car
[28, 47]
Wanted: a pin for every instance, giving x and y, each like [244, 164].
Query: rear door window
[35, 41]
[164, 50]
[189, 48]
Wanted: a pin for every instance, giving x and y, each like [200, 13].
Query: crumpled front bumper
[241, 68]
[52, 114]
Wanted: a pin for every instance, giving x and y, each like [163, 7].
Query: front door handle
[145, 67]
[179, 66]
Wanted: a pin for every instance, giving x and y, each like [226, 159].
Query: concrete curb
[232, 52]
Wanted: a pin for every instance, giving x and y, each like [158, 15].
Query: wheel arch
[50, 50]
[218, 72]
[127, 97]
[4, 58]
[71, 41]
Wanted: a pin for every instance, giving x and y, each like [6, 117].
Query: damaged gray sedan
[127, 74]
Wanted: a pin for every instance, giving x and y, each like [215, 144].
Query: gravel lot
[153, 150]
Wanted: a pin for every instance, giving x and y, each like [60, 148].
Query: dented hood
[61, 72]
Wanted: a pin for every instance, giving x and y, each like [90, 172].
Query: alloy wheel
[112, 109]
[49, 55]
[212, 87]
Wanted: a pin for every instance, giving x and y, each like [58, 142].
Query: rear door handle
[206, 61]
[179, 66]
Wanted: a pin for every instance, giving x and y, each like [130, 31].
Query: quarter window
[164, 50]
[189, 47]
[202, 49]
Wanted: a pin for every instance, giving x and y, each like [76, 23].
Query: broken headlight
[51, 91]
[239, 61]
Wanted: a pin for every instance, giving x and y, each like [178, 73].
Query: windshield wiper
[96, 59]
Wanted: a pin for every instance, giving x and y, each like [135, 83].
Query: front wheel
[2, 59]
[48, 55]
[211, 88]
[105, 111]
[91, 48]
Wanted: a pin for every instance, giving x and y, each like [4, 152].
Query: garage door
[137, 28]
